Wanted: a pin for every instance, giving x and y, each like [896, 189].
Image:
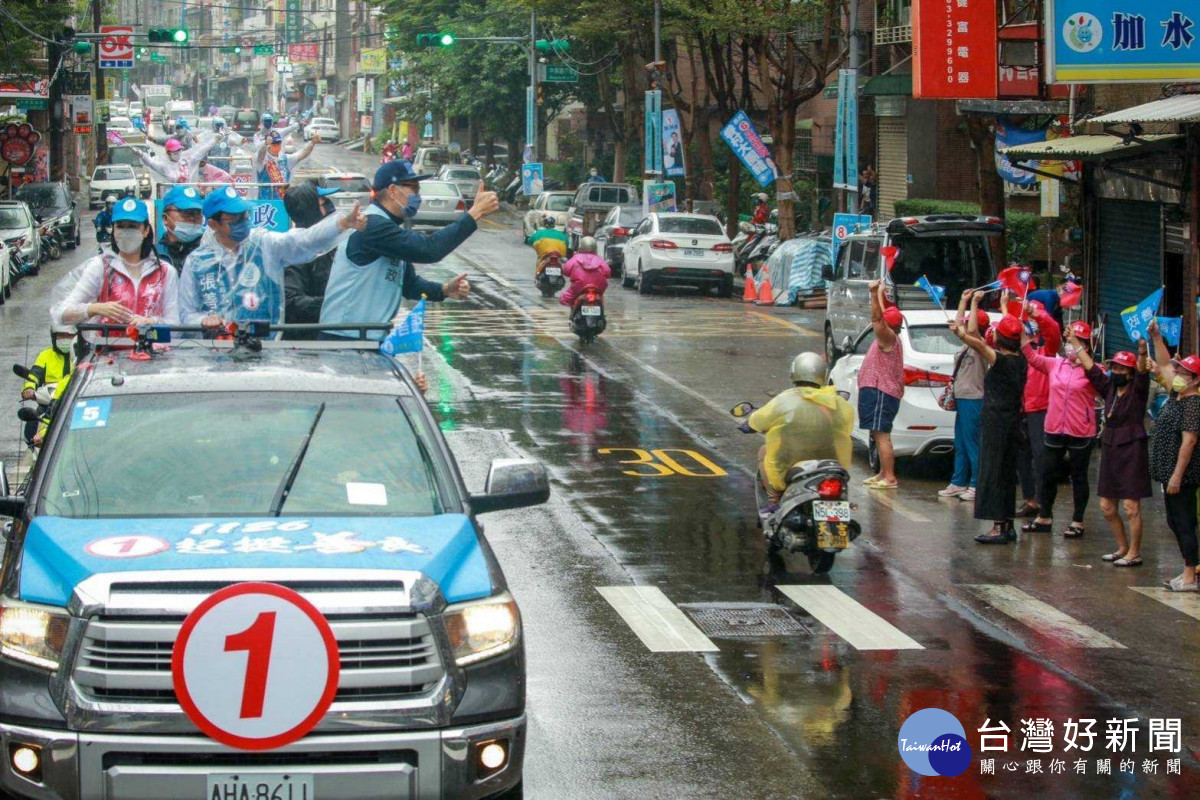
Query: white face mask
[128, 240]
[62, 345]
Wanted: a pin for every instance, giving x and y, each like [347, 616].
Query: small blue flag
[409, 334]
[991, 287]
[1171, 328]
[1136, 318]
[936, 293]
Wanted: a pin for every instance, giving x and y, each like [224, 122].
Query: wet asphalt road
[1039, 629]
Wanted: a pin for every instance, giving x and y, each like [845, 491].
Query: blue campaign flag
[1171, 329]
[991, 287]
[742, 137]
[1136, 318]
[936, 293]
[409, 334]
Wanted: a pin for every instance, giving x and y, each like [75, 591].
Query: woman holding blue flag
[967, 387]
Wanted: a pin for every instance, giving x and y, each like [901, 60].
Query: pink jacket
[583, 270]
[1072, 408]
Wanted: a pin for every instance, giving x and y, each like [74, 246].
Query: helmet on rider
[218, 123]
[181, 124]
[549, 222]
[63, 336]
[808, 368]
[267, 119]
[587, 245]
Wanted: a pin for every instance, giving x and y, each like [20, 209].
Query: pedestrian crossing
[683, 323]
[664, 628]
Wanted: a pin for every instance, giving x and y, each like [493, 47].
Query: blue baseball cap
[185, 198]
[274, 138]
[398, 171]
[328, 190]
[130, 209]
[225, 200]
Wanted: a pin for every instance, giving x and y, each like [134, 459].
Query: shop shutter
[892, 165]
[1131, 255]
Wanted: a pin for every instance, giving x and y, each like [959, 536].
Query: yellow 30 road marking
[661, 463]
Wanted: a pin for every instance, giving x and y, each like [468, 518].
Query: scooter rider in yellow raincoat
[810, 421]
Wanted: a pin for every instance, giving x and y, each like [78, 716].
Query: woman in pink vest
[1070, 429]
[124, 285]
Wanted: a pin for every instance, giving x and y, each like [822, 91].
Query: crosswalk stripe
[1185, 602]
[849, 619]
[661, 626]
[1042, 617]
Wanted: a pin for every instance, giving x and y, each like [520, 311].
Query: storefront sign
[116, 48]
[373, 61]
[15, 86]
[954, 49]
[305, 53]
[1122, 41]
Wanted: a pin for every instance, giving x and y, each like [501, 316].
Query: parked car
[354, 188]
[614, 231]
[921, 426]
[118, 108]
[950, 250]
[246, 122]
[110, 179]
[135, 108]
[547, 204]
[326, 127]
[124, 127]
[52, 202]
[429, 160]
[16, 222]
[124, 154]
[441, 203]
[591, 204]
[467, 179]
[688, 249]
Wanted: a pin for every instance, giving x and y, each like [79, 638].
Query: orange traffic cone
[766, 295]
[749, 295]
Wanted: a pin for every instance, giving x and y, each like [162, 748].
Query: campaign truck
[252, 569]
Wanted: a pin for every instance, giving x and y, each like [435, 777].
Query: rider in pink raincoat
[584, 269]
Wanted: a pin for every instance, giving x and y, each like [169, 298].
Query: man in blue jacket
[372, 270]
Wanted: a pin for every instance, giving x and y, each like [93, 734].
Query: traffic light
[435, 39]
[237, 49]
[82, 48]
[544, 45]
[167, 35]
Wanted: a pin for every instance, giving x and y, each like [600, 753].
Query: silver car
[16, 222]
[441, 203]
[467, 179]
[326, 127]
[353, 187]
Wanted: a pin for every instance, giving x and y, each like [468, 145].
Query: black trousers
[1181, 516]
[1066, 455]
[1031, 457]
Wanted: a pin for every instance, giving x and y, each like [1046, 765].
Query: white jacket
[182, 171]
[85, 284]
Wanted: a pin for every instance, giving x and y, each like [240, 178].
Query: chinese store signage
[1122, 41]
[954, 49]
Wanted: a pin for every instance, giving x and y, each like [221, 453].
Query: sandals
[1073, 531]
[1028, 510]
[1136, 561]
[1113, 557]
[883, 485]
[1037, 527]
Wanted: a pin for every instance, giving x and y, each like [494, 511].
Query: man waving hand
[372, 270]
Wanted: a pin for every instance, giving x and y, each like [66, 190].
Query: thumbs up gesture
[485, 203]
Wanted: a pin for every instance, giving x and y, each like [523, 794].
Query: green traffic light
[82, 48]
[446, 39]
[180, 35]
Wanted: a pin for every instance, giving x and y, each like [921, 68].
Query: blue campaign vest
[363, 293]
[244, 295]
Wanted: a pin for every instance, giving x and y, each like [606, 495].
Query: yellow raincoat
[801, 424]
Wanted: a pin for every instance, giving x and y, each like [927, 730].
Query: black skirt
[1000, 437]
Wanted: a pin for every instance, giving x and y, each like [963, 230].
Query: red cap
[1036, 308]
[1009, 327]
[1125, 359]
[173, 145]
[893, 317]
[982, 319]
[1191, 363]
[1082, 330]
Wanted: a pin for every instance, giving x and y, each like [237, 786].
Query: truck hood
[60, 553]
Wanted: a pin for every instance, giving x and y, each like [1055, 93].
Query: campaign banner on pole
[1119, 41]
[742, 137]
[116, 48]
[843, 226]
[532, 180]
[955, 49]
[839, 165]
[661, 197]
[654, 146]
[672, 141]
[845, 144]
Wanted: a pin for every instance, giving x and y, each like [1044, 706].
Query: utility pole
[653, 126]
[854, 45]
[531, 99]
[54, 111]
[98, 126]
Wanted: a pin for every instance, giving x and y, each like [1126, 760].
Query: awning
[1014, 108]
[885, 85]
[1184, 108]
[1088, 148]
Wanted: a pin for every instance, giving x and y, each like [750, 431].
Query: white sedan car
[111, 180]
[921, 426]
[327, 127]
[547, 204]
[689, 249]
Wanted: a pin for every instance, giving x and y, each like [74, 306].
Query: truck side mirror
[512, 483]
[848, 346]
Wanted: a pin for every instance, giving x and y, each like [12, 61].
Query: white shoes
[952, 491]
[967, 495]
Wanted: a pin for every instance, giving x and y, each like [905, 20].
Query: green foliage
[919, 207]
[1022, 228]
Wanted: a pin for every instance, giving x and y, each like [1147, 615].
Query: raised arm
[307, 151]
[974, 341]
[883, 332]
[1162, 356]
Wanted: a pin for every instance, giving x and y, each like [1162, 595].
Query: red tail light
[994, 221]
[663, 244]
[462, 205]
[911, 220]
[723, 247]
[830, 489]
[591, 295]
[620, 232]
[924, 378]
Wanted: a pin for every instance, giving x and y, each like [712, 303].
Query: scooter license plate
[590, 311]
[833, 534]
[836, 511]
[554, 272]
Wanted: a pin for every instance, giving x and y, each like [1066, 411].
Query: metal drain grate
[741, 621]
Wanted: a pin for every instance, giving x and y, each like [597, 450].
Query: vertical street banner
[661, 197]
[672, 140]
[531, 179]
[845, 140]
[955, 44]
[654, 146]
[116, 48]
[291, 21]
[360, 95]
[742, 137]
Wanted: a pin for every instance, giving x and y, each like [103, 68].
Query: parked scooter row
[754, 243]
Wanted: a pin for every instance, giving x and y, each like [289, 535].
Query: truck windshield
[199, 455]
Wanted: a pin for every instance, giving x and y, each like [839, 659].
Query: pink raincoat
[583, 270]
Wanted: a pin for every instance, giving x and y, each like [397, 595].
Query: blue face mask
[239, 231]
[188, 231]
[413, 204]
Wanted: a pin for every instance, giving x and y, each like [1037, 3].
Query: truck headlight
[32, 634]
[482, 629]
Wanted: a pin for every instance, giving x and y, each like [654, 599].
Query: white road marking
[1042, 617]
[661, 626]
[849, 619]
[1185, 602]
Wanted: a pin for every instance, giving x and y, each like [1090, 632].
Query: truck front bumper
[422, 764]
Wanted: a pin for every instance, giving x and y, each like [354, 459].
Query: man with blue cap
[182, 225]
[275, 166]
[373, 270]
[236, 274]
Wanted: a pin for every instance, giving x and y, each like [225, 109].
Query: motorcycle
[387, 156]
[35, 417]
[587, 315]
[21, 267]
[51, 243]
[813, 519]
[550, 280]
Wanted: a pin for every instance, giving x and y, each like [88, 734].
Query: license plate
[437, 203]
[693, 253]
[590, 311]
[832, 511]
[268, 786]
[554, 272]
[833, 534]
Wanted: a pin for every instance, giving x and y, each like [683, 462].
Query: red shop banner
[304, 53]
[954, 49]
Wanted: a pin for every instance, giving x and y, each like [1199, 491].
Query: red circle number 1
[256, 641]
